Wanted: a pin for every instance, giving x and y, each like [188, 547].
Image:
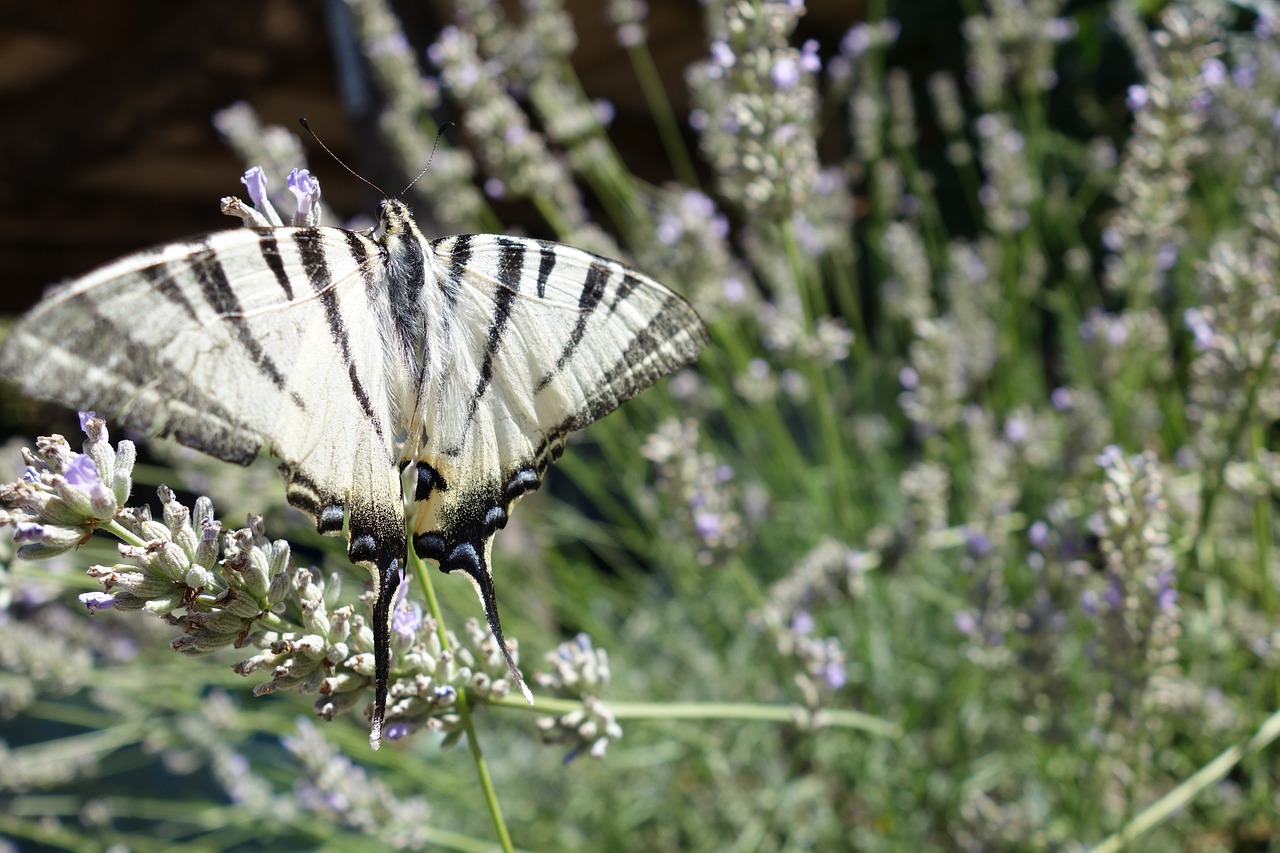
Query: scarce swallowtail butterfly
[354, 359]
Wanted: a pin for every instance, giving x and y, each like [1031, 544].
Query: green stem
[122, 533]
[799, 714]
[1203, 779]
[664, 117]
[464, 711]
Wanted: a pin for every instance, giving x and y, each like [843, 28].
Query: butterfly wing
[240, 341]
[543, 340]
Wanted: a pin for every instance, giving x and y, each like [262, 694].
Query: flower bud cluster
[64, 496]
[582, 671]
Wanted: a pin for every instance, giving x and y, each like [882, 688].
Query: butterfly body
[464, 361]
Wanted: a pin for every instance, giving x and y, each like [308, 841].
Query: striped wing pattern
[325, 348]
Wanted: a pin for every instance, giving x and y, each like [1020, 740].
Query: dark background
[106, 141]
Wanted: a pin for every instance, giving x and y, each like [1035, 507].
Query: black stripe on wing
[593, 288]
[311, 251]
[510, 271]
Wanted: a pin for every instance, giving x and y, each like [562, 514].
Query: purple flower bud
[306, 189]
[856, 41]
[786, 73]
[1213, 72]
[1089, 602]
[255, 181]
[96, 601]
[833, 673]
[908, 378]
[604, 111]
[1038, 535]
[495, 188]
[396, 730]
[1113, 595]
[1016, 430]
[1060, 399]
[28, 531]
[1137, 98]
[721, 54]
[1200, 329]
[85, 417]
[707, 525]
[1110, 457]
[802, 622]
[669, 229]
[809, 59]
[978, 543]
[734, 290]
[965, 622]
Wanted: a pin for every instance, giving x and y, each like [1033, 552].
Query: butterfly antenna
[434, 145]
[303, 121]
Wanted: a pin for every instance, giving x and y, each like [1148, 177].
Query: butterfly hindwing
[544, 340]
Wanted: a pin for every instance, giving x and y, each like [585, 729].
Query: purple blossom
[1016, 430]
[856, 41]
[834, 675]
[495, 188]
[407, 620]
[908, 378]
[734, 290]
[1137, 98]
[1200, 327]
[1244, 75]
[255, 181]
[1113, 595]
[82, 473]
[28, 531]
[1060, 399]
[707, 525]
[1089, 602]
[402, 589]
[802, 622]
[96, 601]
[1038, 535]
[1110, 457]
[785, 73]
[669, 229]
[1112, 239]
[516, 134]
[604, 111]
[84, 420]
[1213, 72]
[722, 55]
[1166, 256]
[965, 622]
[978, 543]
[396, 730]
[306, 189]
[809, 59]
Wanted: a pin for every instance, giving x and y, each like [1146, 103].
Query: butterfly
[354, 360]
